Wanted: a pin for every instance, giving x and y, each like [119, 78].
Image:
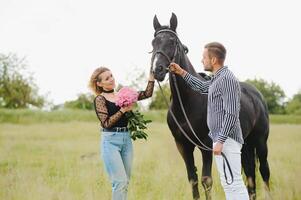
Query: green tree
[294, 105]
[137, 81]
[272, 93]
[158, 101]
[17, 87]
[83, 101]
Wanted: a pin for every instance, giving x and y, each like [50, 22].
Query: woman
[116, 144]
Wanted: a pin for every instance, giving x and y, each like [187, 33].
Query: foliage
[83, 101]
[138, 80]
[294, 105]
[272, 93]
[127, 96]
[158, 102]
[137, 125]
[17, 89]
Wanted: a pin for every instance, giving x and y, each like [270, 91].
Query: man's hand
[175, 68]
[217, 148]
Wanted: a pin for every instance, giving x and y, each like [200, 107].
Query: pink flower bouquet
[136, 123]
[126, 96]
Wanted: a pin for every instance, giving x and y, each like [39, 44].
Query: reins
[174, 81]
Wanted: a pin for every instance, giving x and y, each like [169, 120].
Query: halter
[178, 42]
[202, 146]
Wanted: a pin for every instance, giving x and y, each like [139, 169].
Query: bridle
[179, 48]
[178, 42]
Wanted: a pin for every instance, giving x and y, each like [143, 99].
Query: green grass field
[26, 116]
[60, 161]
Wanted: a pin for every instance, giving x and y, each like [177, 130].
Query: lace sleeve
[148, 92]
[102, 113]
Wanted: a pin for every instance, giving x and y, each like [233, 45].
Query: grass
[60, 160]
[26, 116]
[285, 119]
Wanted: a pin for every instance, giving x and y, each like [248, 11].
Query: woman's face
[107, 80]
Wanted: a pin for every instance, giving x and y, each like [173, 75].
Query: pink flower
[126, 96]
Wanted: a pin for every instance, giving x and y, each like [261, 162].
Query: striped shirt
[223, 104]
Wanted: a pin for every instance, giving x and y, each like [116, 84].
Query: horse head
[166, 46]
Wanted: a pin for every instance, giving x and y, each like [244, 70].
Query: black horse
[254, 117]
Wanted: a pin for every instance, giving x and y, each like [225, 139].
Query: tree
[158, 102]
[17, 87]
[294, 105]
[83, 101]
[272, 93]
[137, 81]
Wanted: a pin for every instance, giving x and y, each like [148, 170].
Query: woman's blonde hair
[95, 78]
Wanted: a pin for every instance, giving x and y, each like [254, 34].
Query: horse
[254, 118]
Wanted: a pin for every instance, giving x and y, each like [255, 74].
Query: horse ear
[173, 22]
[156, 23]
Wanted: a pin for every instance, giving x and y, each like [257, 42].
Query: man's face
[207, 61]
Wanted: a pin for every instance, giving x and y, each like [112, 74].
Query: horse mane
[205, 76]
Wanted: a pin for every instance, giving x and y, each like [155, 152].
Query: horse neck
[184, 89]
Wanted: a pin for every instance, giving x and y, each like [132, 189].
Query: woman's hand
[151, 77]
[175, 68]
[126, 108]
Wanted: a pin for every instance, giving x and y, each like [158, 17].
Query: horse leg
[262, 153]
[206, 173]
[248, 164]
[186, 151]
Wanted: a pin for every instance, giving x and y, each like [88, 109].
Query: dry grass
[61, 161]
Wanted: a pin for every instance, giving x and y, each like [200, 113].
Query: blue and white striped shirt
[223, 104]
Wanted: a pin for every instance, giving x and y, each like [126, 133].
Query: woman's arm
[148, 92]
[102, 113]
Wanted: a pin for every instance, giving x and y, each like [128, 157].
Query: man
[223, 115]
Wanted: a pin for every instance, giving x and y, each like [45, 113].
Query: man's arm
[195, 83]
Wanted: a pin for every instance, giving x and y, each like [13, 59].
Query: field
[60, 160]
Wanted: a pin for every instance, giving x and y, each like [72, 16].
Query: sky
[63, 41]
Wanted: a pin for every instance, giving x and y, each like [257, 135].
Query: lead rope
[204, 147]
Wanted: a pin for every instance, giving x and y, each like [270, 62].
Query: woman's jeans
[237, 190]
[117, 155]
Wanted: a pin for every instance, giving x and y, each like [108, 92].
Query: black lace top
[110, 115]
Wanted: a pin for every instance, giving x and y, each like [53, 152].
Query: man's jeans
[237, 190]
[117, 155]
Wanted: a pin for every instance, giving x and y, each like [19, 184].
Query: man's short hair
[217, 50]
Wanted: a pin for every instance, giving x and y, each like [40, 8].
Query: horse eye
[172, 41]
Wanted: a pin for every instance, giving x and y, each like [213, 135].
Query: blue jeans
[237, 190]
[117, 155]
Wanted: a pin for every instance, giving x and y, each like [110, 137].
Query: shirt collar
[219, 71]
